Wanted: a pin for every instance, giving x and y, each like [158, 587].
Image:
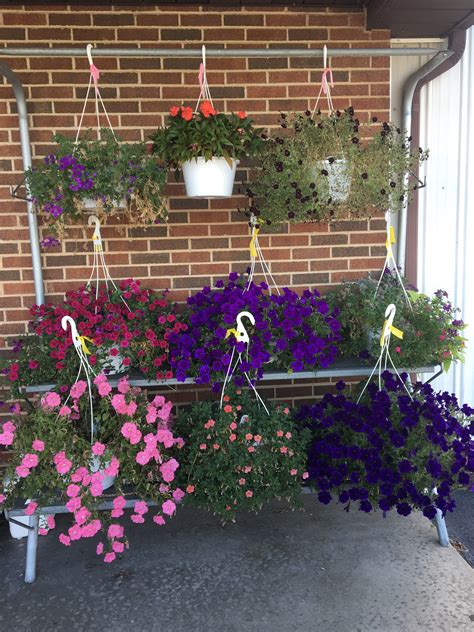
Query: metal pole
[26, 155]
[408, 94]
[214, 52]
[31, 549]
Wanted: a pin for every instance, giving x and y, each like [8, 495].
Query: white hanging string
[99, 262]
[94, 78]
[256, 253]
[241, 335]
[382, 362]
[205, 93]
[327, 82]
[390, 258]
[84, 366]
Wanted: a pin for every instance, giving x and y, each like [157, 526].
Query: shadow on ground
[318, 570]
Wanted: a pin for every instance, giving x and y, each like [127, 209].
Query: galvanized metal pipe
[214, 52]
[408, 94]
[26, 155]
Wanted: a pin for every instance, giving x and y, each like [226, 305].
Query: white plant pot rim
[89, 204]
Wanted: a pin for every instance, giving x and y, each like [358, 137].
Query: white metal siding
[446, 209]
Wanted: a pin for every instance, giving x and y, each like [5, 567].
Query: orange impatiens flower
[174, 111]
[187, 113]
[206, 109]
[241, 114]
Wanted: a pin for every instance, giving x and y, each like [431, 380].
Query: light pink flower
[151, 414]
[30, 460]
[178, 494]
[137, 519]
[99, 548]
[9, 426]
[115, 531]
[118, 547]
[64, 411]
[104, 389]
[78, 389]
[143, 457]
[168, 469]
[109, 558]
[22, 471]
[305, 475]
[98, 448]
[159, 401]
[168, 507]
[232, 437]
[73, 504]
[165, 437]
[7, 438]
[73, 490]
[249, 493]
[113, 468]
[75, 532]
[140, 507]
[64, 539]
[79, 474]
[31, 507]
[116, 513]
[96, 490]
[38, 445]
[159, 520]
[293, 472]
[123, 385]
[63, 465]
[179, 441]
[119, 502]
[82, 515]
[165, 411]
[51, 400]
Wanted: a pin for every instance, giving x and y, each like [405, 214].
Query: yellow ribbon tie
[390, 239]
[396, 332]
[252, 247]
[231, 332]
[83, 344]
[97, 243]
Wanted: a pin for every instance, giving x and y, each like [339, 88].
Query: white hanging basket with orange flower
[206, 145]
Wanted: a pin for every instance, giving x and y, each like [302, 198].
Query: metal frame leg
[31, 549]
[441, 528]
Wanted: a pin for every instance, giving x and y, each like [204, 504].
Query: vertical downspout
[457, 44]
[408, 93]
[26, 156]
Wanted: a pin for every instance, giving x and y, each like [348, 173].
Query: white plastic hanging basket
[338, 179]
[212, 178]
[89, 204]
[107, 481]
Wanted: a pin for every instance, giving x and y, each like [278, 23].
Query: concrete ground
[461, 524]
[321, 570]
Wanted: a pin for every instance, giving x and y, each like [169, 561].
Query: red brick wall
[203, 240]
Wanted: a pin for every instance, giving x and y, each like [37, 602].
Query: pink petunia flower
[99, 548]
[51, 400]
[78, 389]
[137, 519]
[22, 471]
[178, 494]
[30, 460]
[168, 507]
[159, 520]
[109, 558]
[38, 445]
[64, 539]
[73, 504]
[98, 448]
[75, 532]
[64, 411]
[123, 385]
[115, 531]
[31, 507]
[140, 507]
[118, 547]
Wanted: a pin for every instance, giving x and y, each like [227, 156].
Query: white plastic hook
[241, 331]
[67, 320]
[89, 48]
[325, 57]
[203, 52]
